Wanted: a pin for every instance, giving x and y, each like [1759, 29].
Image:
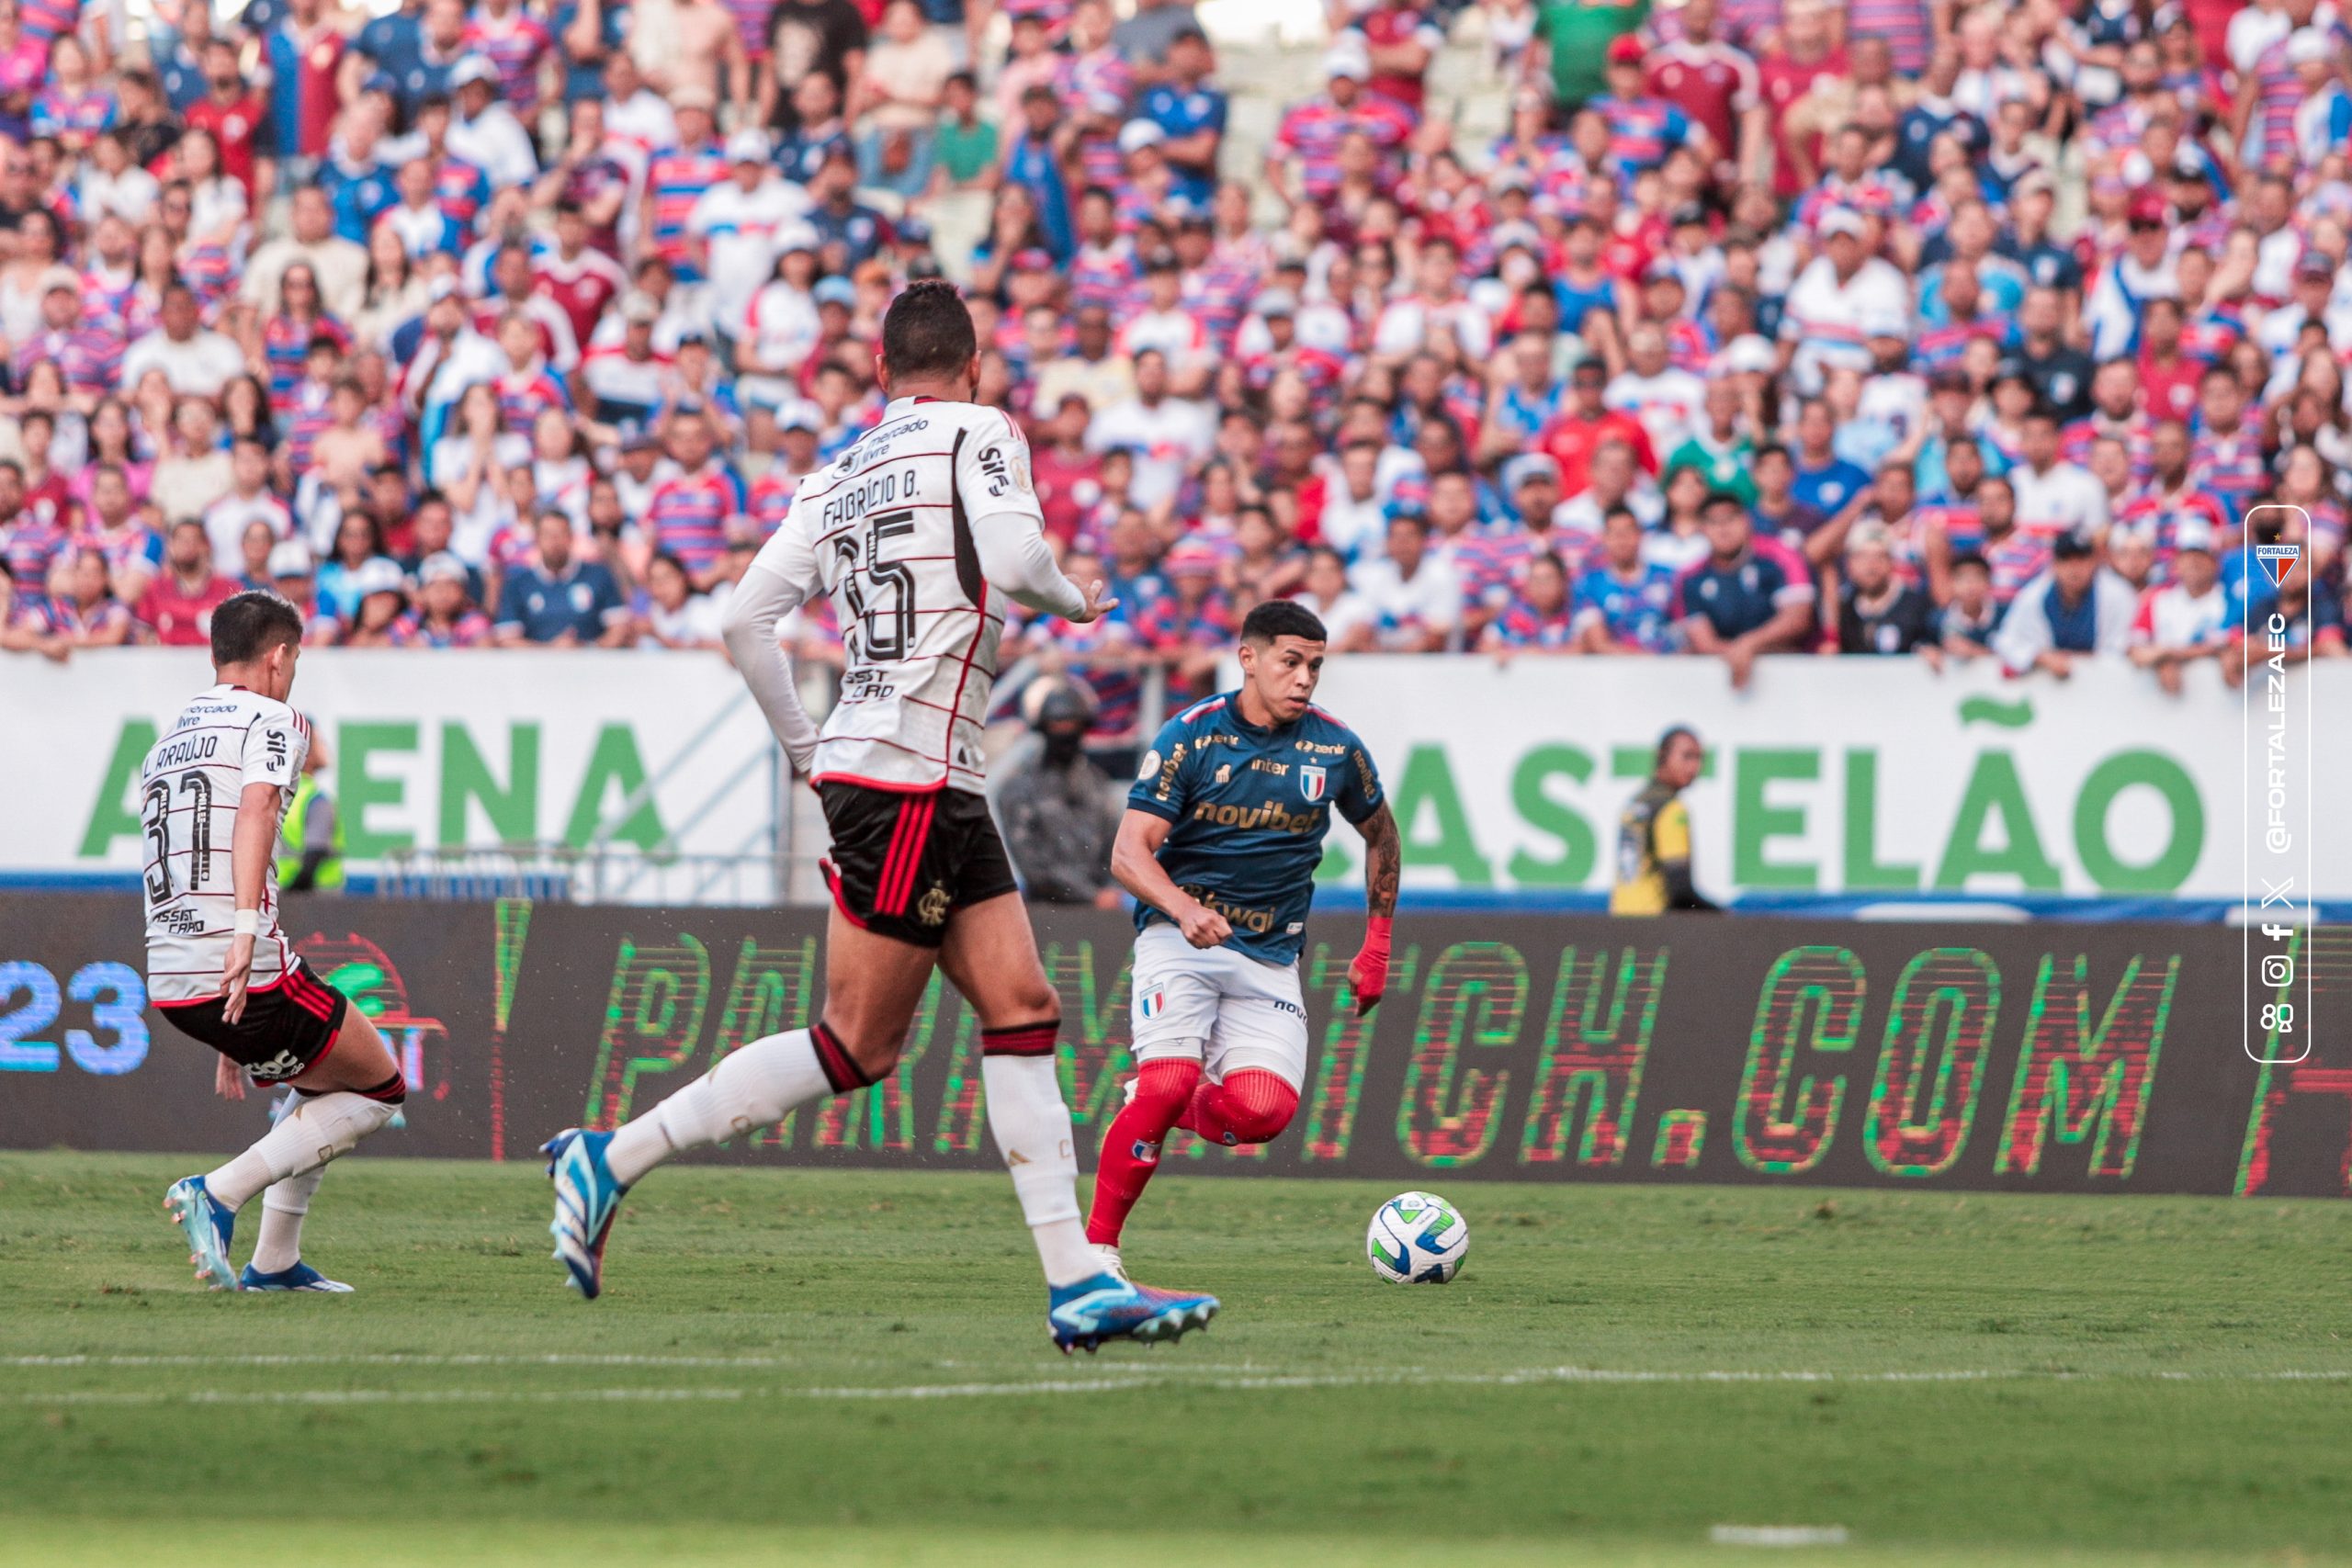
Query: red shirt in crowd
[182, 619]
[1571, 442]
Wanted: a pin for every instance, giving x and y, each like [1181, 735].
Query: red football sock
[1131, 1148]
[1251, 1106]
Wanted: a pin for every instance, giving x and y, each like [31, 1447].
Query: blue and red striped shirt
[687, 514]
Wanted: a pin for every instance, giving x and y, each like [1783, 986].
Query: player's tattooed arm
[1383, 862]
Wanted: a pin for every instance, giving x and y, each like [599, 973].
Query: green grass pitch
[849, 1368]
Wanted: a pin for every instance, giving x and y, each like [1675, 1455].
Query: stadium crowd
[1904, 328]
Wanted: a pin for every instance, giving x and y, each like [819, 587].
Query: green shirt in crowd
[1580, 37]
[1724, 467]
[964, 151]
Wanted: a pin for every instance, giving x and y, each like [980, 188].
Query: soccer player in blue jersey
[1223, 832]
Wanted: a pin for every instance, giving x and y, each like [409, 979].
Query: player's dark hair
[928, 331]
[249, 624]
[1967, 559]
[1666, 743]
[1281, 619]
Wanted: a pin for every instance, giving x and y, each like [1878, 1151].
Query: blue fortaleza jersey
[1250, 807]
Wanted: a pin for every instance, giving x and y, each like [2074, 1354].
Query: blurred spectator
[380, 596]
[552, 599]
[2075, 609]
[1878, 613]
[443, 615]
[1750, 596]
[1965, 624]
[1624, 600]
[79, 608]
[1057, 808]
[358, 542]
[2186, 620]
[176, 609]
[1413, 596]
[674, 615]
[1538, 617]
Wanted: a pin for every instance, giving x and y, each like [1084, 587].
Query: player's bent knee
[1258, 1105]
[392, 1091]
[852, 1062]
[1164, 1088]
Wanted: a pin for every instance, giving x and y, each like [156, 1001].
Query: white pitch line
[423, 1359]
[1778, 1535]
[1173, 1378]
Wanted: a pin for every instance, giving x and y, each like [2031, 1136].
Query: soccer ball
[1417, 1238]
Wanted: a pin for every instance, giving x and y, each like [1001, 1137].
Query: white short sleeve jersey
[189, 790]
[887, 531]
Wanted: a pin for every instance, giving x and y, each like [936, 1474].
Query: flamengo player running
[921, 533]
[212, 793]
[1223, 832]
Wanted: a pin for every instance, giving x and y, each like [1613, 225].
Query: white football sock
[751, 1088]
[1032, 1129]
[313, 1132]
[279, 1247]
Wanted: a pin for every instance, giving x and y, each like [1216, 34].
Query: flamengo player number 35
[890, 628]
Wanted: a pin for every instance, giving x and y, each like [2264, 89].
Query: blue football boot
[1110, 1307]
[208, 1225]
[300, 1277]
[587, 1199]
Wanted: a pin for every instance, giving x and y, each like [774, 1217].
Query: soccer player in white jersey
[921, 533]
[212, 794]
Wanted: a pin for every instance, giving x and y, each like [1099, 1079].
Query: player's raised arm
[1009, 531]
[780, 580]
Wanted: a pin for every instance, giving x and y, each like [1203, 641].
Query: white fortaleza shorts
[1217, 1006]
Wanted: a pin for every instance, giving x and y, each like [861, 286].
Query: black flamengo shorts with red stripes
[902, 862]
[283, 1033]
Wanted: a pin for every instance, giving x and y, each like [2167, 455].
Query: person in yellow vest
[309, 841]
[1654, 835]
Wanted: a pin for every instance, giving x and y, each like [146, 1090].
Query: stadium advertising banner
[481, 747]
[1849, 775]
[1853, 775]
[2057, 1058]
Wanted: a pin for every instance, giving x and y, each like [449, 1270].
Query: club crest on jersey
[2278, 561]
[1311, 781]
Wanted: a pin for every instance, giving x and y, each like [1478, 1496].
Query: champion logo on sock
[1145, 1151]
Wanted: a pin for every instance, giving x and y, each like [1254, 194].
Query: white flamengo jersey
[189, 791]
[886, 531]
